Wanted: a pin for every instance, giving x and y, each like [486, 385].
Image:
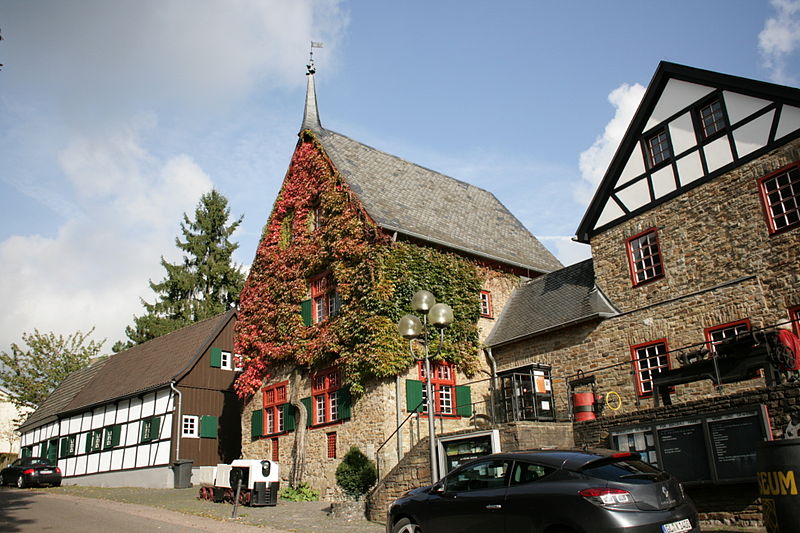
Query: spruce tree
[206, 283]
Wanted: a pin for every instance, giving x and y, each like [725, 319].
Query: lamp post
[438, 315]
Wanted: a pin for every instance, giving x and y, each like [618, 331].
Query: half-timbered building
[127, 419]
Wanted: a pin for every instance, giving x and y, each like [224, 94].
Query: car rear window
[625, 471]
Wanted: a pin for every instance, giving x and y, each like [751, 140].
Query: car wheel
[21, 482]
[405, 525]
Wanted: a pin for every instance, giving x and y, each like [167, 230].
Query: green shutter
[146, 433]
[289, 423]
[463, 400]
[307, 403]
[257, 423]
[154, 428]
[116, 432]
[216, 357]
[64, 447]
[52, 450]
[27, 451]
[88, 446]
[305, 312]
[414, 396]
[208, 426]
[344, 404]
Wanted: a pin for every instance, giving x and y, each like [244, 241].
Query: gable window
[324, 298]
[190, 426]
[780, 193]
[649, 360]
[486, 304]
[711, 118]
[275, 404]
[718, 334]
[222, 359]
[658, 148]
[644, 257]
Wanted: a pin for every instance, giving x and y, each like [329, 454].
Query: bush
[303, 493]
[356, 474]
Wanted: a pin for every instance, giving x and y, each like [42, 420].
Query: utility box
[182, 470]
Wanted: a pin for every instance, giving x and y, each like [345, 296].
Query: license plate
[45, 471]
[680, 526]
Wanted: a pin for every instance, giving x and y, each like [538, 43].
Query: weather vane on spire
[311, 68]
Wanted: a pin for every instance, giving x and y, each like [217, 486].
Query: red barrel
[583, 406]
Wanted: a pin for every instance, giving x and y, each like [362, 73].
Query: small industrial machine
[256, 481]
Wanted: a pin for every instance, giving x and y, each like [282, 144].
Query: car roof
[561, 458]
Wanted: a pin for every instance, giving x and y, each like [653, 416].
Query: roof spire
[311, 113]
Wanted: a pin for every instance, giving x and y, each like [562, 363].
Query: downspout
[493, 389]
[178, 419]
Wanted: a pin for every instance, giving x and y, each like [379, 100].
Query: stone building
[695, 265]
[326, 278]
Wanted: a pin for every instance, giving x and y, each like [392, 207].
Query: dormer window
[712, 120]
[658, 148]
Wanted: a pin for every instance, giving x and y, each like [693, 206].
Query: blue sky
[115, 116]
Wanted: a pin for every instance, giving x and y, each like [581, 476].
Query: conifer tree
[206, 283]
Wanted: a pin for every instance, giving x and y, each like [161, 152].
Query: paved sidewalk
[295, 517]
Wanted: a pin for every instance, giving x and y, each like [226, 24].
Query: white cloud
[780, 38]
[565, 249]
[93, 271]
[594, 161]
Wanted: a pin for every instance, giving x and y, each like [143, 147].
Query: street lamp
[410, 327]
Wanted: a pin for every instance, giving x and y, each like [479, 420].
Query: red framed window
[274, 400]
[324, 298]
[794, 316]
[658, 147]
[717, 334]
[644, 257]
[486, 304]
[331, 445]
[275, 449]
[324, 398]
[443, 383]
[780, 193]
[649, 359]
[711, 118]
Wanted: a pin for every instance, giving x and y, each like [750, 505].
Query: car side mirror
[437, 489]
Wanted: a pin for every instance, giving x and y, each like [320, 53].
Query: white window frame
[193, 426]
[226, 360]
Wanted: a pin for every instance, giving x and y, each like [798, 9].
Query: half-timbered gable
[124, 420]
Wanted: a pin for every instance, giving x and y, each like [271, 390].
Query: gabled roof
[423, 204]
[62, 396]
[759, 116]
[556, 300]
[145, 367]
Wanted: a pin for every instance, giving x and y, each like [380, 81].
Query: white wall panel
[80, 465]
[681, 131]
[718, 153]
[135, 409]
[105, 462]
[122, 411]
[663, 181]
[148, 404]
[74, 424]
[92, 462]
[86, 421]
[131, 433]
[143, 455]
[633, 168]
[116, 459]
[689, 168]
[635, 195]
[676, 96]
[165, 431]
[97, 418]
[789, 121]
[163, 401]
[162, 453]
[740, 106]
[753, 135]
[610, 212]
[129, 460]
[110, 417]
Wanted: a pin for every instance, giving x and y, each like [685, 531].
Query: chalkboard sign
[683, 450]
[734, 440]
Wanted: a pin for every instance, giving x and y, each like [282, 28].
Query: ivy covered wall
[318, 226]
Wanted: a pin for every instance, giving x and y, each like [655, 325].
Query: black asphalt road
[37, 511]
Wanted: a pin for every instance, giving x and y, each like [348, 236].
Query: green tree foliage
[30, 373]
[356, 474]
[205, 284]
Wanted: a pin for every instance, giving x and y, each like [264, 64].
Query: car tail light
[606, 497]
[58, 470]
[28, 471]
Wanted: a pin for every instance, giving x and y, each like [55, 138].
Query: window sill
[328, 424]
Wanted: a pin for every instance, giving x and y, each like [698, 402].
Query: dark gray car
[548, 491]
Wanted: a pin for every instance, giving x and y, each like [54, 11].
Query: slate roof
[62, 396]
[559, 299]
[144, 367]
[423, 204]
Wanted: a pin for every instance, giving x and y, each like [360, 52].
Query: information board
[734, 440]
[683, 450]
